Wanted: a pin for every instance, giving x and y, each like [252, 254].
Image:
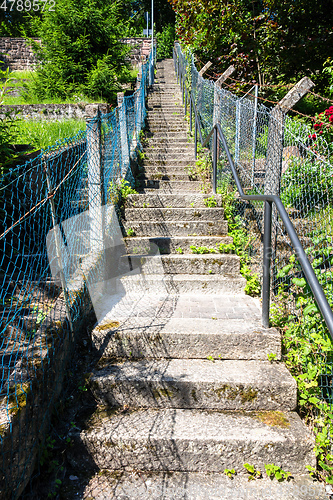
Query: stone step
[155, 175]
[188, 337]
[169, 186]
[177, 228]
[167, 129]
[217, 264]
[180, 244]
[169, 162]
[211, 284]
[163, 112]
[165, 200]
[162, 119]
[170, 150]
[196, 383]
[161, 215]
[169, 140]
[194, 486]
[194, 441]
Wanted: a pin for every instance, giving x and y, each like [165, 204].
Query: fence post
[57, 241]
[123, 134]
[205, 68]
[276, 133]
[217, 87]
[95, 178]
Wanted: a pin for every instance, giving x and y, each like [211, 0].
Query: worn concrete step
[165, 200]
[194, 440]
[217, 264]
[160, 171]
[169, 186]
[167, 245]
[177, 228]
[196, 383]
[212, 284]
[156, 167]
[154, 175]
[193, 485]
[169, 141]
[166, 121]
[154, 127]
[170, 162]
[173, 214]
[187, 338]
[175, 112]
[174, 149]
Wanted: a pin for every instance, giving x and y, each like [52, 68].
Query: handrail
[308, 271]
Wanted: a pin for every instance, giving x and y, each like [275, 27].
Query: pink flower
[330, 119]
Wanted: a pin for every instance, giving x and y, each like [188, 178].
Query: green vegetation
[253, 472]
[275, 41]
[41, 134]
[308, 351]
[80, 51]
[230, 473]
[274, 471]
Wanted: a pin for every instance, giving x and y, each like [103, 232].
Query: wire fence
[50, 255]
[275, 154]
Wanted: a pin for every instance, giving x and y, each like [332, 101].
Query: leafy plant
[130, 232]
[308, 352]
[8, 124]
[210, 202]
[271, 356]
[276, 471]
[229, 472]
[253, 473]
[179, 250]
[165, 41]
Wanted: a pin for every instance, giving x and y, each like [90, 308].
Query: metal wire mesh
[275, 154]
[49, 249]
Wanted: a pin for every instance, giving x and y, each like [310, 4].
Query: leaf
[310, 309]
[299, 282]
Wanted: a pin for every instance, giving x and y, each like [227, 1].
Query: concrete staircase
[184, 385]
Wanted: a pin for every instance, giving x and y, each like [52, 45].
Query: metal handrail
[308, 271]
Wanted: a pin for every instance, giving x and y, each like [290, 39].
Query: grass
[41, 134]
[20, 78]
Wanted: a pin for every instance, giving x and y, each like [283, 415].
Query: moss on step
[273, 418]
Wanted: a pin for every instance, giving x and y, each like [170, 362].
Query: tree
[266, 39]
[80, 51]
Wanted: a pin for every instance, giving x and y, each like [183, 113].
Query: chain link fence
[275, 154]
[54, 213]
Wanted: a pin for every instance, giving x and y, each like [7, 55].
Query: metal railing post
[214, 160]
[191, 111]
[195, 138]
[266, 280]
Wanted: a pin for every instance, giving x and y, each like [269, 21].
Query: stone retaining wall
[18, 55]
[47, 111]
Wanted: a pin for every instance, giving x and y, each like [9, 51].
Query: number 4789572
[27, 5]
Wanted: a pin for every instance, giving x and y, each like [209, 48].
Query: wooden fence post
[276, 133]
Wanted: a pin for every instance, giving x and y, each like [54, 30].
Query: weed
[210, 202]
[253, 473]
[276, 471]
[210, 358]
[179, 250]
[130, 232]
[271, 356]
[229, 472]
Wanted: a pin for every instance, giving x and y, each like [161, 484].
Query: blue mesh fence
[275, 154]
[50, 255]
